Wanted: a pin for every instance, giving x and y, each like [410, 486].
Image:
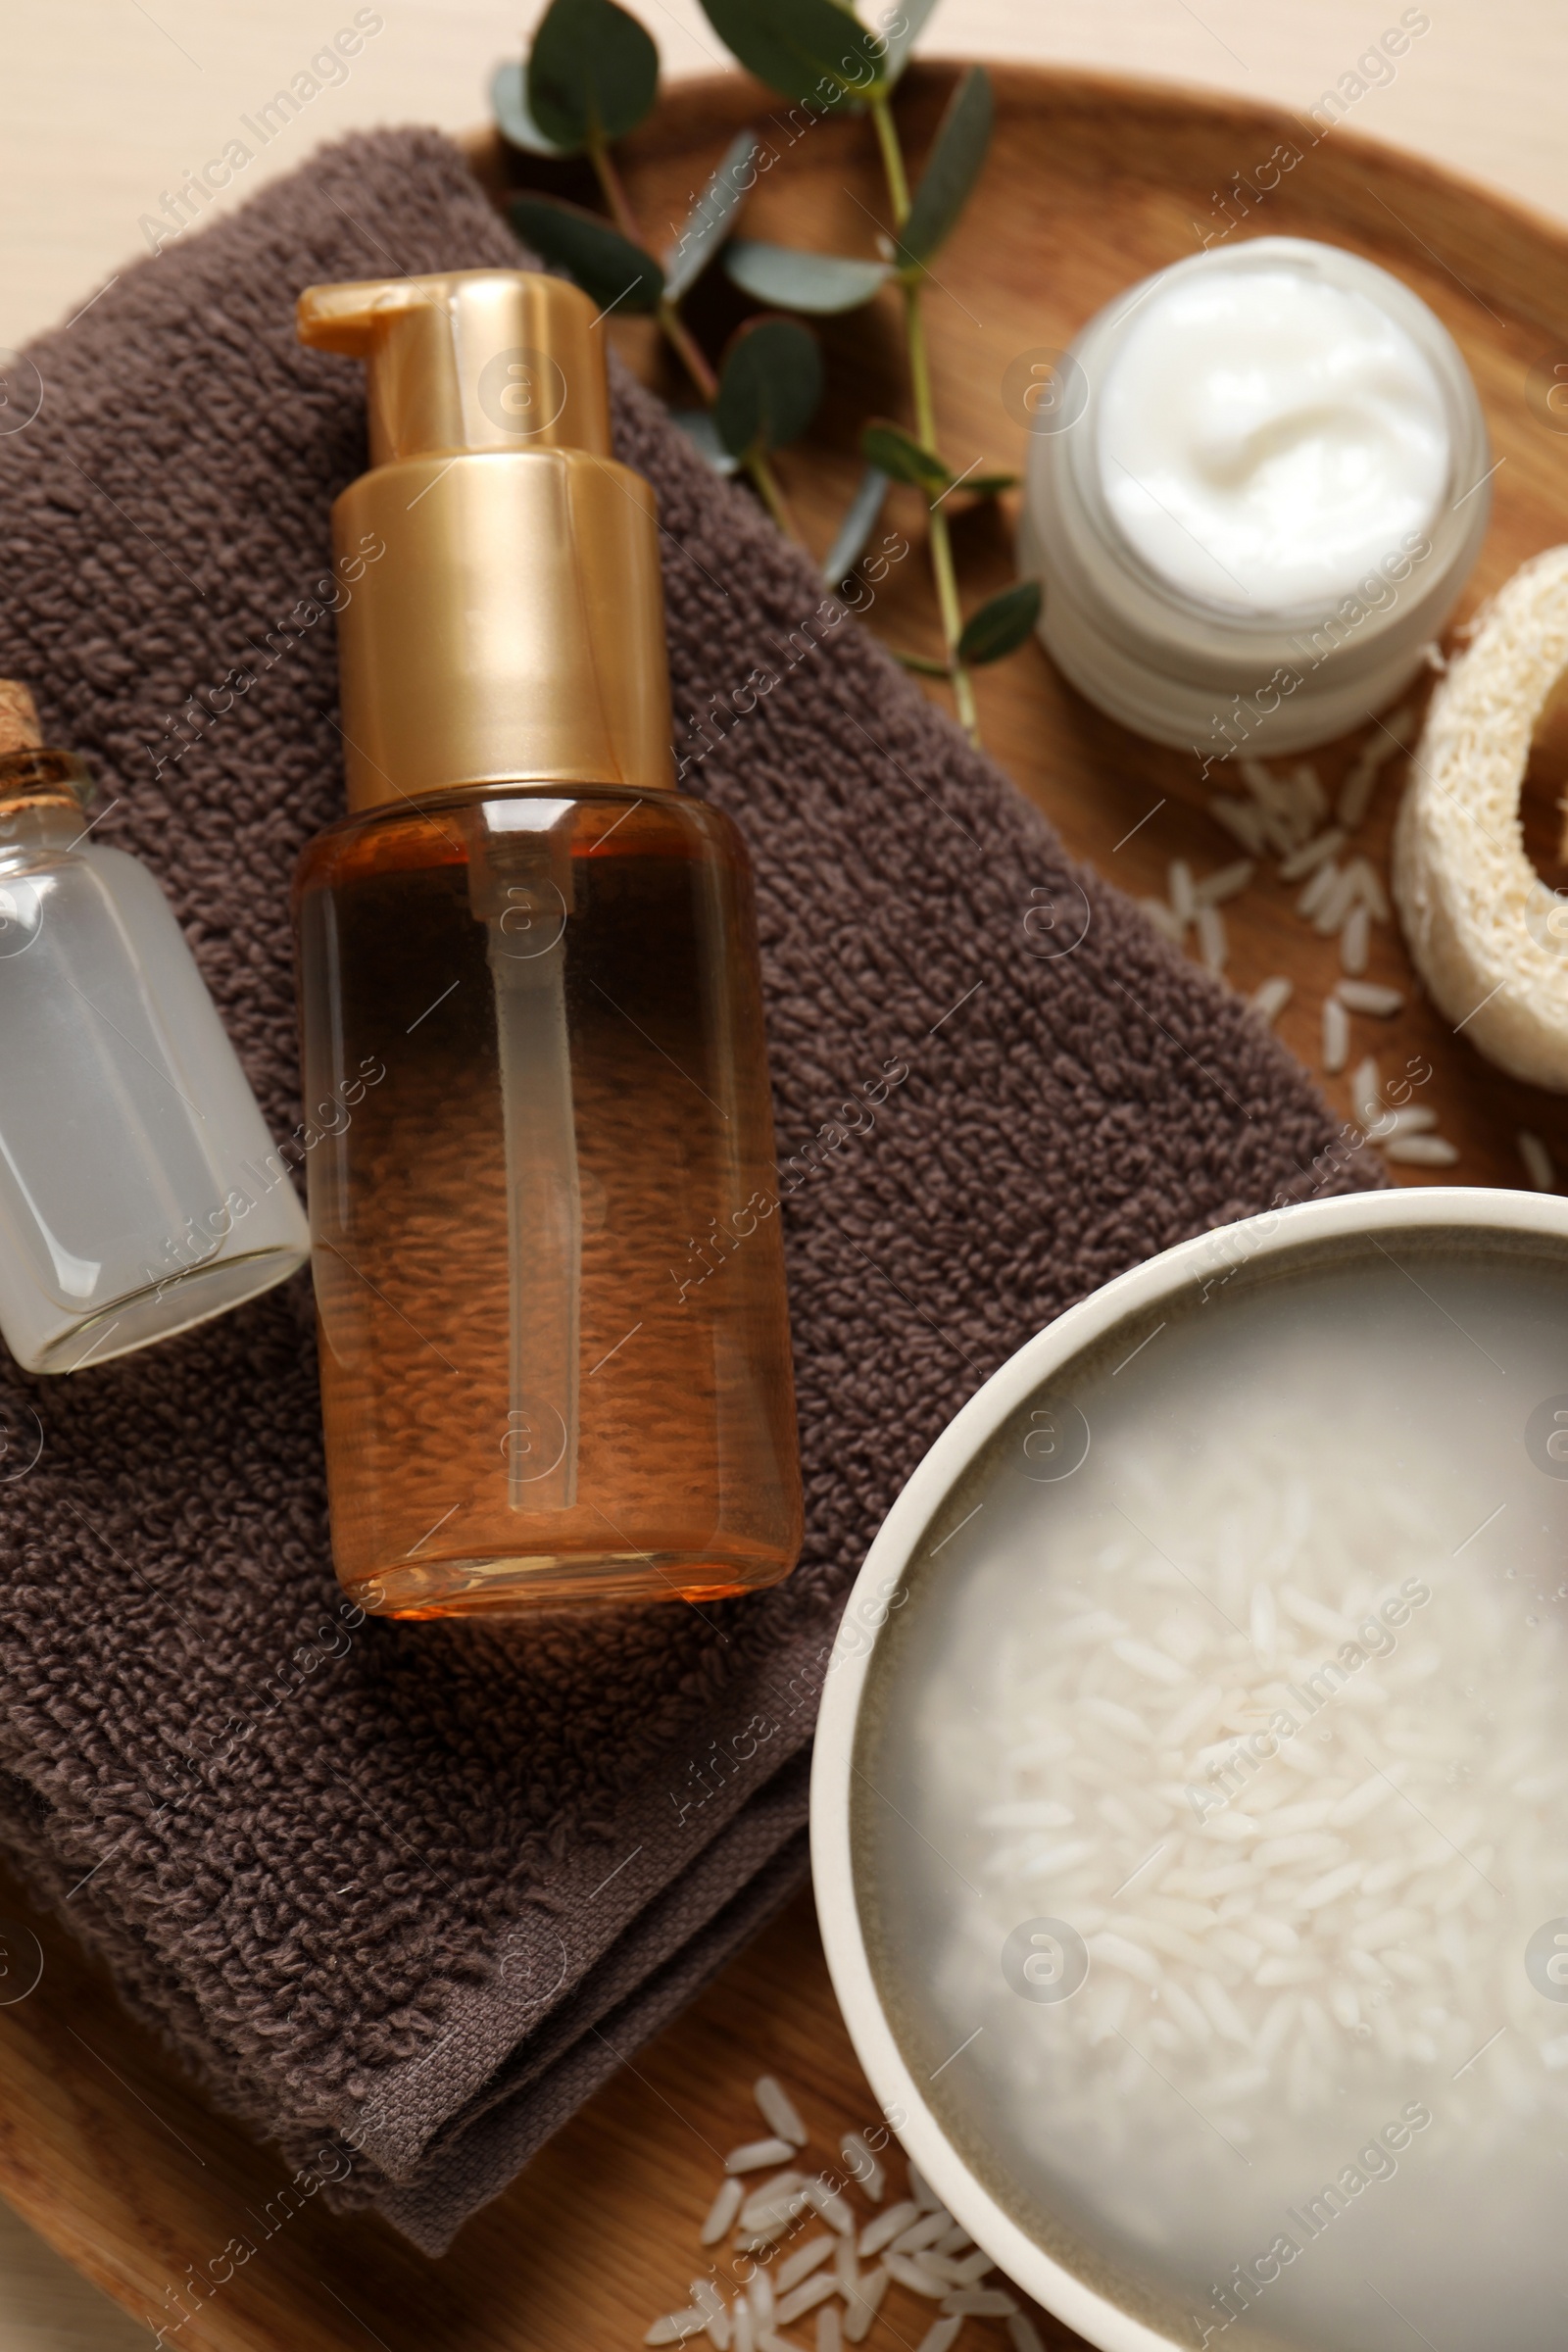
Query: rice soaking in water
[1215, 1855]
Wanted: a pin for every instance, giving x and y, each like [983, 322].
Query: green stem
[670, 322]
[919, 663]
[681, 338]
[614, 194]
[892, 158]
[778, 504]
[943, 572]
[683, 344]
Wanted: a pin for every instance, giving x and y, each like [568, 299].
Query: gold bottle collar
[499, 605]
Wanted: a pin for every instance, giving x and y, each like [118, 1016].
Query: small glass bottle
[139, 1189]
[554, 1338]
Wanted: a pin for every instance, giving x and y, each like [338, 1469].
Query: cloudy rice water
[1214, 1819]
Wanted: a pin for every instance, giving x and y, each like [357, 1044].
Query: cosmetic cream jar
[1256, 484]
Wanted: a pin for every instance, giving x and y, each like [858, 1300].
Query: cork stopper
[20, 731]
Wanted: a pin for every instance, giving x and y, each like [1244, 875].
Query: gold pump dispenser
[502, 614]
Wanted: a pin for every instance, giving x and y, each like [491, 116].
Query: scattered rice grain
[1312, 855]
[887, 2225]
[1423, 1151]
[778, 2110]
[1537, 1161]
[1271, 998]
[806, 2297]
[756, 2153]
[1336, 1034]
[722, 2211]
[865, 2168]
[941, 2335]
[1370, 995]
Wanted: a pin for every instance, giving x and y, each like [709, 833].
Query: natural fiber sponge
[1488, 936]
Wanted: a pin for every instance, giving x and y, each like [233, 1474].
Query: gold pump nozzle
[500, 613]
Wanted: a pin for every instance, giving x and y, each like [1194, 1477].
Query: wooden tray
[1092, 182]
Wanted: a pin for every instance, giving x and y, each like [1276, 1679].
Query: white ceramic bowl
[1273, 1235]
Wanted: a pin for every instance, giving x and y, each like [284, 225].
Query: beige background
[107, 102]
[104, 104]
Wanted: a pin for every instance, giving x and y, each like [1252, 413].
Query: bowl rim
[1273, 1233]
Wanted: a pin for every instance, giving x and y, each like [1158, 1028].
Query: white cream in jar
[1259, 498]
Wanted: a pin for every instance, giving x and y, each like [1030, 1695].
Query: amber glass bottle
[555, 1346]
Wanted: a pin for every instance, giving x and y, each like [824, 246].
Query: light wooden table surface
[108, 102]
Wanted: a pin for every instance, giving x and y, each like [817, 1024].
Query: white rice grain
[1241, 821]
[1227, 882]
[756, 2153]
[1271, 997]
[1336, 1034]
[1336, 902]
[1370, 995]
[981, 2303]
[1212, 944]
[941, 2335]
[1312, 855]
[806, 2297]
[865, 2168]
[1537, 1161]
[803, 2262]
[915, 2275]
[1423, 1151]
[675, 2327]
[1355, 940]
[1322, 887]
[1366, 1090]
[922, 2233]
[1365, 886]
[1179, 888]
[887, 2225]
[707, 2299]
[867, 2302]
[722, 2212]
[778, 2110]
[829, 2204]
[829, 2330]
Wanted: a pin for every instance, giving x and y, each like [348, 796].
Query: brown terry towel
[404, 1894]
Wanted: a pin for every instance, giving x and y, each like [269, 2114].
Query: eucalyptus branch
[943, 572]
[679, 336]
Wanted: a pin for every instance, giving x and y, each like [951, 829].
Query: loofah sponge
[1488, 936]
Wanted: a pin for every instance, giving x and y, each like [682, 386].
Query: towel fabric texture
[404, 1894]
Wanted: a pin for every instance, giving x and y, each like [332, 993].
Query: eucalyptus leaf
[900, 455]
[699, 428]
[859, 522]
[769, 383]
[951, 169]
[1001, 626]
[906, 21]
[798, 46]
[988, 485]
[707, 222]
[593, 73]
[509, 103]
[618, 274]
[789, 280]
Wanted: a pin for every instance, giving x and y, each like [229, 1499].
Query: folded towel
[404, 1894]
